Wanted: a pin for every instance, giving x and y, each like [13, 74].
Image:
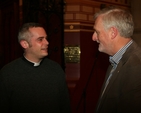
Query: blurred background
[69, 25]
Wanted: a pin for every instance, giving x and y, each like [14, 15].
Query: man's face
[101, 36]
[38, 44]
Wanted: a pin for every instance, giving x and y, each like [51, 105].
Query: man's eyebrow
[40, 37]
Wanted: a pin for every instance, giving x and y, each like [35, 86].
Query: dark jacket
[123, 94]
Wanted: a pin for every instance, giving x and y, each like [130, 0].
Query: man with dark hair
[33, 83]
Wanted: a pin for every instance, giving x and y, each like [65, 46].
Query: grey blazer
[123, 94]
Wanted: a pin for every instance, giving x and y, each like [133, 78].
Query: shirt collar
[33, 63]
[114, 60]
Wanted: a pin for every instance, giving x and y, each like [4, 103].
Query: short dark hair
[24, 33]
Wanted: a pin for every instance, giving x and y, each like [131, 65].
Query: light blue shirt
[114, 60]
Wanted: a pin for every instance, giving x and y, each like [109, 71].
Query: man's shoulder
[133, 53]
[49, 61]
[13, 64]
[134, 48]
[51, 64]
[137, 50]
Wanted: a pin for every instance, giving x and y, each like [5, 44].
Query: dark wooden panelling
[9, 24]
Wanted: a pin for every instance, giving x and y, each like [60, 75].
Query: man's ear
[24, 44]
[114, 32]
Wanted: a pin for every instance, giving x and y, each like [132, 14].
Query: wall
[135, 10]
[85, 77]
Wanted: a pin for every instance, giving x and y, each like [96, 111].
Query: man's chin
[100, 50]
[44, 55]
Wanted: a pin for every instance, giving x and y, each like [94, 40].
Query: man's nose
[46, 42]
[94, 37]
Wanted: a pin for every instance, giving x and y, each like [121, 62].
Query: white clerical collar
[35, 63]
